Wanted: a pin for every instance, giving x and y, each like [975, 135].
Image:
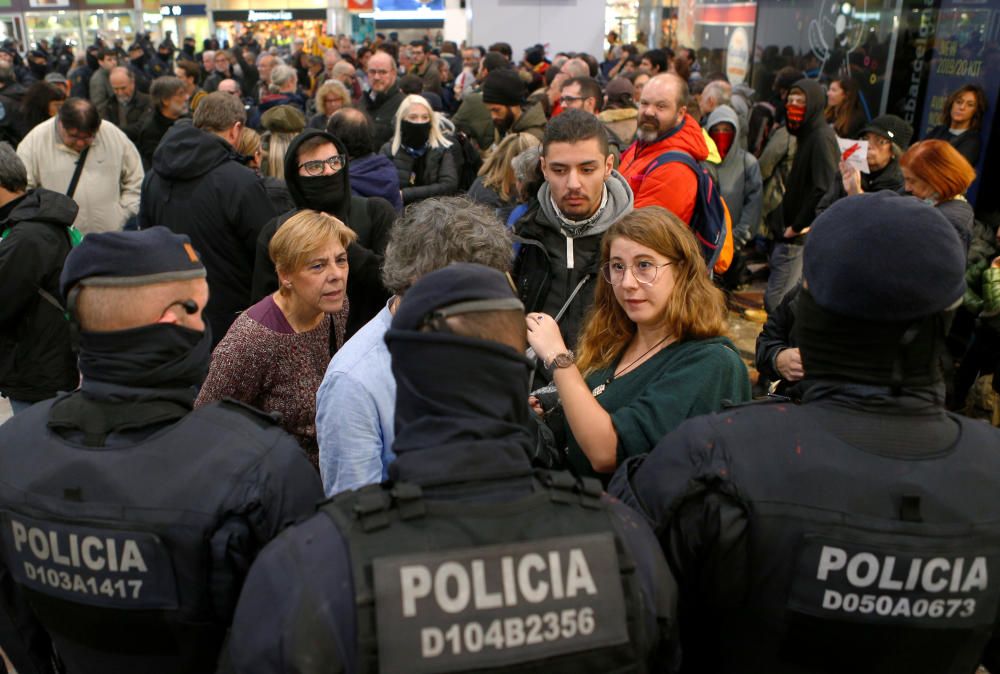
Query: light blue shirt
[356, 410]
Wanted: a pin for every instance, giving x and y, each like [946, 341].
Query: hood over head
[618, 203]
[723, 113]
[187, 153]
[42, 205]
[815, 105]
[340, 208]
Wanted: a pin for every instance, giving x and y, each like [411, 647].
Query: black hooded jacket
[814, 168]
[198, 187]
[371, 219]
[36, 361]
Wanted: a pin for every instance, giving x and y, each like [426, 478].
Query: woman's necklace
[599, 389]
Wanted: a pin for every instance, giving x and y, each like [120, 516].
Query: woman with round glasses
[421, 153]
[276, 352]
[652, 352]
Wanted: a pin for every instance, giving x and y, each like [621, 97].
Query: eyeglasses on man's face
[317, 166]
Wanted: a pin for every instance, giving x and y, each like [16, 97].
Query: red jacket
[672, 185]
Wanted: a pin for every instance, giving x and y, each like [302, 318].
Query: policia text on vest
[498, 605]
[102, 567]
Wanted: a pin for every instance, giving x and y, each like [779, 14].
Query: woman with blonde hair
[276, 352]
[420, 152]
[331, 96]
[653, 351]
[250, 148]
[496, 185]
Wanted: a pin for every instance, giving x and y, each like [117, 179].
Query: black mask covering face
[161, 355]
[414, 135]
[324, 193]
[452, 425]
[893, 354]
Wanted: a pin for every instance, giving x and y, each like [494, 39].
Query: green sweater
[684, 380]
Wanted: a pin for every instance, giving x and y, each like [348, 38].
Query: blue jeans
[786, 272]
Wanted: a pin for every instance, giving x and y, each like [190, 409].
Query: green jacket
[686, 379]
[532, 120]
[473, 117]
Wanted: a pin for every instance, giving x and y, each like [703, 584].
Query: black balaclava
[330, 194]
[414, 135]
[461, 412]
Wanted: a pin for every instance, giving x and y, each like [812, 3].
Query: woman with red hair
[937, 173]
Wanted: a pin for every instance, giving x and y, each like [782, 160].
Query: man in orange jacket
[664, 125]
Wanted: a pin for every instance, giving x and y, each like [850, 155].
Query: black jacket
[890, 177]
[36, 361]
[371, 219]
[813, 170]
[776, 336]
[433, 174]
[382, 109]
[136, 112]
[197, 187]
[154, 127]
[968, 144]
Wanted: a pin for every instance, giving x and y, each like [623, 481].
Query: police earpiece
[190, 306]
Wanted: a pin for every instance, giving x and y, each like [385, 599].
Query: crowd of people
[460, 296]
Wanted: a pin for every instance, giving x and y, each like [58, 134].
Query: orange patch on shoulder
[190, 251]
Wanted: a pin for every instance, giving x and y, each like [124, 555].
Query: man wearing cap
[503, 94]
[59, 80]
[198, 188]
[140, 66]
[130, 520]
[857, 532]
[382, 102]
[887, 136]
[473, 117]
[129, 106]
[537, 560]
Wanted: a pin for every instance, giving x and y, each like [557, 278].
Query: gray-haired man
[355, 404]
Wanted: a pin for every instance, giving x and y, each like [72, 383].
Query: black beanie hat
[884, 257]
[154, 255]
[503, 87]
[892, 127]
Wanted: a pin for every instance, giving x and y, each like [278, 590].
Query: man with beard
[383, 100]
[664, 126]
[557, 264]
[473, 117]
[317, 178]
[170, 103]
[503, 94]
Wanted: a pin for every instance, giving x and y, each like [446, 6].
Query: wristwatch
[561, 360]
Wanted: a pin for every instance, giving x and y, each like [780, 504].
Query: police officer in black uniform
[127, 520]
[466, 558]
[860, 531]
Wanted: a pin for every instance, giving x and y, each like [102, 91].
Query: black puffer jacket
[36, 361]
[433, 174]
[371, 219]
[198, 187]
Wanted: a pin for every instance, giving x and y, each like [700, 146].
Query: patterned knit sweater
[263, 362]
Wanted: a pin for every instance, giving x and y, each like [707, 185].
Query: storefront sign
[360, 5]
[183, 10]
[253, 16]
[738, 57]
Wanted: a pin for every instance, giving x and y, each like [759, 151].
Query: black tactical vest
[858, 561]
[538, 584]
[124, 553]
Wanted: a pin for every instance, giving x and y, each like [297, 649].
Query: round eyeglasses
[644, 271]
[316, 166]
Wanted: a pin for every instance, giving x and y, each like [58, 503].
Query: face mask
[415, 135]
[324, 193]
[796, 115]
[723, 141]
